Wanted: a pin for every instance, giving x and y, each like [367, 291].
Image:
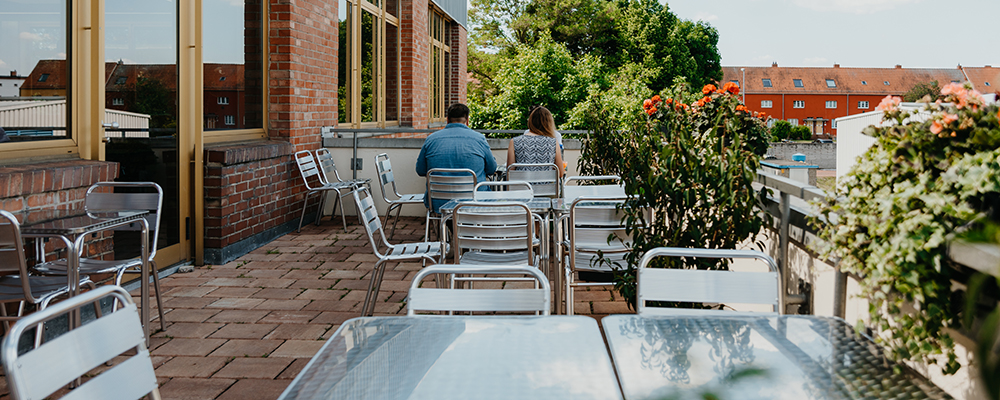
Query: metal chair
[572, 192]
[515, 190]
[38, 373]
[112, 197]
[316, 183]
[494, 233]
[537, 299]
[445, 184]
[385, 177]
[705, 286]
[329, 176]
[16, 285]
[544, 178]
[597, 241]
[426, 251]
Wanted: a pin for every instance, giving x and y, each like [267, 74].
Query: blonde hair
[540, 122]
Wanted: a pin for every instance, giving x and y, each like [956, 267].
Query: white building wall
[10, 87]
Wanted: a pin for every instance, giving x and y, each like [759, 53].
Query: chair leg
[372, 292]
[427, 226]
[343, 217]
[305, 204]
[569, 291]
[159, 298]
[322, 205]
[388, 211]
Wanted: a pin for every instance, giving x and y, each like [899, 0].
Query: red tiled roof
[165, 73]
[847, 80]
[223, 76]
[56, 79]
[984, 79]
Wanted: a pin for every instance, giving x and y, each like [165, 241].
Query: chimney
[13, 73]
[899, 66]
[774, 64]
[836, 65]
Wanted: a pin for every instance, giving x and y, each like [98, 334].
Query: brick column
[302, 70]
[414, 52]
[458, 76]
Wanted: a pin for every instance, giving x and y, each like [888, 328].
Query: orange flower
[709, 88]
[949, 118]
[656, 98]
[652, 110]
[647, 104]
[740, 107]
[730, 87]
[668, 101]
[889, 103]
[762, 116]
[936, 127]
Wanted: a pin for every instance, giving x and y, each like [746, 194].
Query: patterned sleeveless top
[535, 149]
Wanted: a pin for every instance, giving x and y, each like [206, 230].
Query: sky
[852, 33]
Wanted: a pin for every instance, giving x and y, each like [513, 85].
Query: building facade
[814, 97]
[231, 90]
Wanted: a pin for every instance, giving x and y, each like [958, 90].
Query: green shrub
[800, 132]
[781, 130]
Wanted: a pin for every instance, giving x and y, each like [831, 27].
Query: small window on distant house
[830, 83]
[954, 81]
[885, 83]
[738, 83]
[987, 84]
[797, 82]
[1, 84]
[766, 104]
[766, 82]
[230, 120]
[118, 102]
[864, 83]
[121, 80]
[831, 104]
[222, 78]
[834, 124]
[799, 104]
[224, 100]
[793, 121]
[863, 105]
[43, 78]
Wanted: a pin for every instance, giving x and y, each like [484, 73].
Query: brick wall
[458, 76]
[253, 194]
[414, 53]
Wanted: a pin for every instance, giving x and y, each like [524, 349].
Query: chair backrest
[703, 286]
[480, 300]
[38, 373]
[515, 190]
[572, 190]
[12, 259]
[129, 196]
[450, 183]
[493, 226]
[327, 167]
[385, 177]
[370, 219]
[544, 178]
[309, 170]
[596, 225]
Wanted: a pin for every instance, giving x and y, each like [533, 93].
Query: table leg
[557, 264]
[144, 285]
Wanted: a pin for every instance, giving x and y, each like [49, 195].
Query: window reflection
[344, 63]
[233, 62]
[369, 67]
[391, 72]
[34, 76]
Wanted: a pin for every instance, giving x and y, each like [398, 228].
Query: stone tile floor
[245, 329]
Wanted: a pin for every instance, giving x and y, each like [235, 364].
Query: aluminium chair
[444, 184]
[386, 252]
[573, 191]
[38, 373]
[315, 183]
[386, 177]
[706, 286]
[16, 285]
[494, 233]
[537, 299]
[596, 243]
[112, 197]
[515, 190]
[544, 178]
[329, 176]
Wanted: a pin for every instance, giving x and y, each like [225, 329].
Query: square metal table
[460, 357]
[750, 357]
[73, 226]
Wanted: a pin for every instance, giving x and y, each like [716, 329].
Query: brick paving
[245, 329]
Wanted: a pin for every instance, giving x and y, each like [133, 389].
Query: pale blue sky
[853, 33]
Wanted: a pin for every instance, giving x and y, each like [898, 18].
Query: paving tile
[352, 284]
[298, 332]
[334, 317]
[191, 367]
[611, 307]
[246, 348]
[389, 309]
[237, 303]
[333, 305]
[298, 348]
[222, 273]
[343, 270]
[258, 257]
[288, 317]
[311, 284]
[239, 316]
[592, 295]
[319, 294]
[254, 389]
[188, 347]
[243, 331]
[271, 283]
[294, 368]
[181, 281]
[305, 274]
[279, 304]
[321, 257]
[302, 265]
[274, 293]
[232, 291]
[188, 291]
[187, 302]
[189, 330]
[186, 315]
[266, 273]
[256, 265]
[265, 368]
[194, 388]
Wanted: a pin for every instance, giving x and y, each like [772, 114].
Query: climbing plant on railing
[691, 159]
[929, 173]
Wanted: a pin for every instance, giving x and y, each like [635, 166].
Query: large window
[799, 104]
[233, 63]
[368, 63]
[831, 104]
[766, 104]
[33, 48]
[440, 52]
[863, 105]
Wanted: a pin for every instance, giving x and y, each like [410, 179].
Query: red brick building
[814, 97]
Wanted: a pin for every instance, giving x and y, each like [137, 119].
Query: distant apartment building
[10, 85]
[814, 97]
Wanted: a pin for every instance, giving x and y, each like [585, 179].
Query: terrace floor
[245, 329]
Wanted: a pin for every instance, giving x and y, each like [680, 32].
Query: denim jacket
[456, 146]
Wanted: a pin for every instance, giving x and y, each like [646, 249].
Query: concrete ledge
[230, 154]
[981, 257]
[404, 143]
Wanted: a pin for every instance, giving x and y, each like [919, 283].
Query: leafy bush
[689, 159]
[781, 130]
[800, 132]
[900, 205]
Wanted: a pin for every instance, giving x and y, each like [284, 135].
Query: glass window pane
[233, 64]
[369, 67]
[392, 7]
[391, 72]
[33, 70]
[343, 63]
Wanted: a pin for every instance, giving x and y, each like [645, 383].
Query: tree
[800, 132]
[781, 129]
[920, 90]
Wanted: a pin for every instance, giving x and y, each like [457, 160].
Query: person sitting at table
[539, 144]
[456, 146]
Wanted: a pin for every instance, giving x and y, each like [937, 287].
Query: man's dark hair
[457, 111]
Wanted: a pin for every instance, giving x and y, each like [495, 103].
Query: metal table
[537, 205]
[777, 357]
[73, 226]
[460, 357]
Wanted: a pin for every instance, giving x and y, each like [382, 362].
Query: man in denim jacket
[456, 146]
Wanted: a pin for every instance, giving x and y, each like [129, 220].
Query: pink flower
[953, 88]
[949, 118]
[889, 103]
[936, 127]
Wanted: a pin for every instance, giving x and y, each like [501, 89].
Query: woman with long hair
[539, 145]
